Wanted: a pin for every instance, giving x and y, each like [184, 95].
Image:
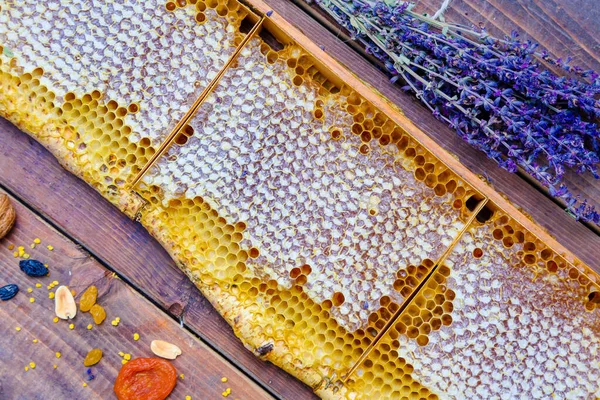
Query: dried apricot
[88, 298]
[98, 313]
[145, 378]
[93, 357]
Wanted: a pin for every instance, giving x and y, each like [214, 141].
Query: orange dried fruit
[93, 357]
[98, 313]
[88, 298]
[145, 378]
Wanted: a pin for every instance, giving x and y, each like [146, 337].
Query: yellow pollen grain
[71, 326]
[55, 320]
[26, 368]
[136, 336]
[181, 376]
[224, 379]
[11, 246]
[16, 254]
[123, 362]
[38, 285]
[35, 340]
[31, 300]
[127, 356]
[50, 247]
[121, 353]
[32, 365]
[18, 328]
[89, 327]
[84, 384]
[29, 290]
[51, 295]
[32, 245]
[55, 366]
[55, 283]
[58, 354]
[26, 256]
[37, 241]
[188, 397]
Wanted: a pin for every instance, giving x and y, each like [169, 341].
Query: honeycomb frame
[279, 323]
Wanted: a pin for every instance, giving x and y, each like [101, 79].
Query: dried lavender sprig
[493, 92]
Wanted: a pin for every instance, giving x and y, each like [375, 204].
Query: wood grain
[70, 265]
[33, 174]
[576, 237]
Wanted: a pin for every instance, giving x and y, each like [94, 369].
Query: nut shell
[165, 349]
[7, 215]
[64, 303]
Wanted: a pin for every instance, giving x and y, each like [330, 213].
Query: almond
[64, 303]
[7, 215]
[165, 349]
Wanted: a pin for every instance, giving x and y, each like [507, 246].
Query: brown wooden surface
[576, 237]
[70, 265]
[30, 172]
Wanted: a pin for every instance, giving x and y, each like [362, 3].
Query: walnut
[7, 215]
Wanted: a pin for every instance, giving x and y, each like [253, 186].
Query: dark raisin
[9, 291]
[33, 268]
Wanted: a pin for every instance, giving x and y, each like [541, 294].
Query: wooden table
[93, 240]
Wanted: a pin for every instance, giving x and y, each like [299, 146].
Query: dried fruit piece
[165, 349]
[64, 303]
[88, 299]
[9, 291]
[145, 378]
[7, 215]
[93, 357]
[33, 268]
[98, 313]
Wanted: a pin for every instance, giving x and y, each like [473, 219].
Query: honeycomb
[502, 317]
[311, 185]
[335, 244]
[110, 79]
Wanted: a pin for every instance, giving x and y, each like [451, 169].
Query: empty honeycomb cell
[98, 73]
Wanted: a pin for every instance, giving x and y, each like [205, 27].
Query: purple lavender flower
[493, 92]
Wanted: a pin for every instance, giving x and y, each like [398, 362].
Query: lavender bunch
[494, 92]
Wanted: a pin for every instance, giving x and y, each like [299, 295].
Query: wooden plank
[32, 173]
[202, 367]
[574, 236]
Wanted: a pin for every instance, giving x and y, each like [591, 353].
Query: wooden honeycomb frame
[427, 302]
